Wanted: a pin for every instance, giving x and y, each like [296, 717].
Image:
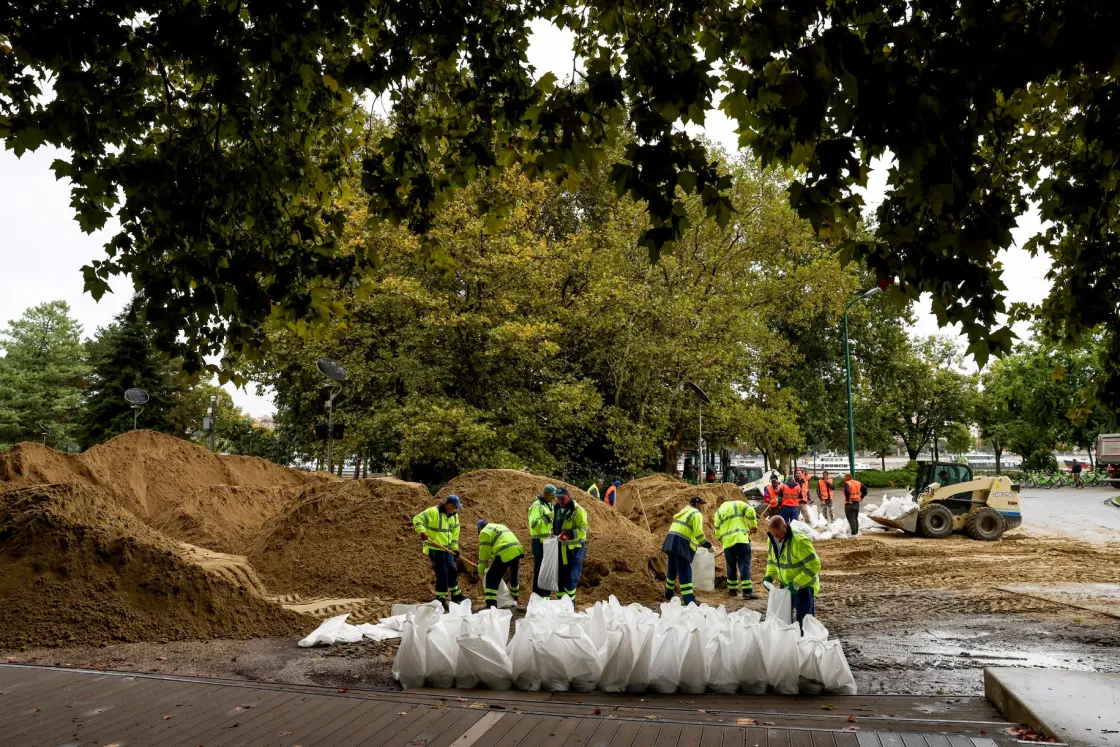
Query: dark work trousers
[791, 513]
[571, 570]
[851, 511]
[494, 575]
[679, 568]
[739, 567]
[803, 604]
[447, 575]
[538, 556]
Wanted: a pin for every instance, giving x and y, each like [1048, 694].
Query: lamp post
[848, 370]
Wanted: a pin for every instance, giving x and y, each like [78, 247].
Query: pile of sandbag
[616, 648]
[894, 507]
[819, 528]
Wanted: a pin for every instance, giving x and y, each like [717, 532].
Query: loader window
[952, 474]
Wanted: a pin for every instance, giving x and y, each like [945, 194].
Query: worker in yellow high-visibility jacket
[686, 533]
[570, 524]
[792, 562]
[499, 551]
[438, 526]
[735, 521]
[540, 529]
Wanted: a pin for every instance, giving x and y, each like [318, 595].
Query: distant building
[265, 421]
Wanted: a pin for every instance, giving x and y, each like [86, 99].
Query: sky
[44, 249]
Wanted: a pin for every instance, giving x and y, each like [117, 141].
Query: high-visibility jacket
[442, 528]
[824, 489]
[540, 520]
[734, 522]
[796, 565]
[593, 491]
[853, 491]
[790, 496]
[772, 496]
[497, 541]
[609, 497]
[572, 521]
[689, 523]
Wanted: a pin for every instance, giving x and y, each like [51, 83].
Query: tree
[123, 357]
[41, 376]
[223, 129]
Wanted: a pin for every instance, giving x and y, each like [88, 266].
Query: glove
[455, 553]
[424, 536]
[706, 544]
[768, 580]
[794, 587]
[563, 536]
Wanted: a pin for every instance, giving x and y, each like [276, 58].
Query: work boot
[668, 595]
[456, 598]
[749, 594]
[732, 592]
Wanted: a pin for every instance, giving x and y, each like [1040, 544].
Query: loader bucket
[908, 522]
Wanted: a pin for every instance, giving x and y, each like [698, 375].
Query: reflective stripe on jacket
[734, 522]
[540, 520]
[790, 496]
[497, 541]
[441, 528]
[797, 565]
[689, 523]
[572, 519]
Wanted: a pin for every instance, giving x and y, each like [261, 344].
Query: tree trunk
[783, 461]
[1092, 462]
[670, 454]
[883, 457]
[999, 453]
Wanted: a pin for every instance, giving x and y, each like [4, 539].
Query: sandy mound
[349, 538]
[662, 496]
[619, 555]
[179, 487]
[76, 568]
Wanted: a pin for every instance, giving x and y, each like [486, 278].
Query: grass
[892, 478]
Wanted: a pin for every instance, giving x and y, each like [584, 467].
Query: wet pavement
[1084, 514]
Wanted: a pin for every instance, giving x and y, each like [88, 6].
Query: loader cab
[941, 472]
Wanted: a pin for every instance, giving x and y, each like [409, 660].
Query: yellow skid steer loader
[951, 500]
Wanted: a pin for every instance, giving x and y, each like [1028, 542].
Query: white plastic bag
[549, 577]
[482, 660]
[505, 598]
[724, 661]
[704, 570]
[643, 646]
[835, 672]
[779, 652]
[443, 652]
[410, 666]
[331, 631]
[752, 668]
[522, 657]
[810, 652]
[811, 627]
[779, 605]
[694, 673]
[665, 659]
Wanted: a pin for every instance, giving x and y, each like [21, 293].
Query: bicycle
[1094, 478]
[1049, 480]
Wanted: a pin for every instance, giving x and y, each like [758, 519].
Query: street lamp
[337, 375]
[703, 397]
[136, 399]
[848, 369]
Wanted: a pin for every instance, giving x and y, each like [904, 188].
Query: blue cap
[561, 491]
[617, 483]
[453, 500]
[481, 523]
[791, 484]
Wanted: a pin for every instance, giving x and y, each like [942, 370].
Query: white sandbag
[379, 632]
[482, 660]
[443, 652]
[332, 630]
[401, 610]
[523, 659]
[410, 665]
[811, 627]
[724, 661]
[779, 605]
[505, 598]
[704, 570]
[752, 668]
[779, 652]
[619, 669]
[694, 673]
[642, 639]
[567, 660]
[549, 576]
[549, 609]
[665, 658]
[835, 672]
[744, 616]
[810, 679]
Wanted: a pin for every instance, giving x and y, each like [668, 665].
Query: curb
[1114, 500]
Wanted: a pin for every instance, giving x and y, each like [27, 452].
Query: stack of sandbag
[822, 666]
[454, 649]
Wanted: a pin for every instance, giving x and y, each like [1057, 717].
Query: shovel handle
[438, 546]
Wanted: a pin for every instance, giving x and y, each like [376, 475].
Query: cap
[453, 500]
[481, 523]
[696, 499]
[775, 478]
[791, 484]
[550, 489]
[617, 483]
[561, 491]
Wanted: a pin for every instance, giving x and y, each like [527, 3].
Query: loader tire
[935, 521]
[986, 524]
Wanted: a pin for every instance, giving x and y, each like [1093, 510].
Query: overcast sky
[44, 249]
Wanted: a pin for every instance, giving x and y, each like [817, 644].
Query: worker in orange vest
[791, 501]
[803, 485]
[824, 495]
[609, 496]
[854, 492]
[772, 495]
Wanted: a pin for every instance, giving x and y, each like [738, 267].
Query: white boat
[832, 462]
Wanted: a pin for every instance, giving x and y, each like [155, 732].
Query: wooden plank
[518, 730]
[868, 739]
[481, 728]
[386, 726]
[889, 739]
[778, 738]
[57, 716]
[295, 719]
[580, 735]
[449, 728]
[756, 737]
[936, 740]
[735, 736]
[668, 736]
[540, 733]
[19, 684]
[823, 739]
[604, 734]
[264, 713]
[16, 710]
[801, 738]
[626, 734]
[429, 720]
[297, 735]
[361, 712]
[983, 742]
[846, 739]
[713, 736]
[956, 740]
[647, 734]
[913, 740]
[690, 736]
[192, 716]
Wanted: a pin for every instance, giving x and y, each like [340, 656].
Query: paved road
[1071, 512]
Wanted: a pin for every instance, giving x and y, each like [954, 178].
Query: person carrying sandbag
[570, 524]
[498, 543]
[438, 526]
[792, 563]
[686, 533]
[735, 522]
[540, 529]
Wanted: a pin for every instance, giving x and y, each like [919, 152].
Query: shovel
[438, 546]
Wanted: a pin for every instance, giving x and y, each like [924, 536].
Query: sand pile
[354, 538]
[78, 568]
[179, 487]
[662, 496]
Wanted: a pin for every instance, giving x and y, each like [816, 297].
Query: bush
[892, 478]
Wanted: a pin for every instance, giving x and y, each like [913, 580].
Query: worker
[803, 485]
[596, 490]
[854, 492]
[686, 533]
[498, 544]
[824, 495]
[540, 529]
[438, 527]
[773, 496]
[791, 501]
[570, 523]
[612, 492]
[792, 562]
[735, 522]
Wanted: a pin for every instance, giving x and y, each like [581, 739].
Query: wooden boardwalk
[50, 706]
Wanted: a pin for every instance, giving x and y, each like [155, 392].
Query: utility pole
[210, 420]
[848, 370]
